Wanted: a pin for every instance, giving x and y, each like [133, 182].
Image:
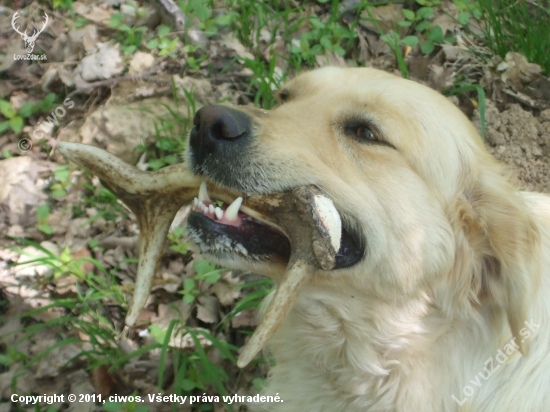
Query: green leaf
[157, 332]
[181, 248]
[27, 109]
[421, 2]
[58, 194]
[460, 5]
[425, 12]
[187, 385]
[203, 13]
[116, 19]
[16, 124]
[316, 23]
[449, 39]
[203, 267]
[325, 42]
[42, 212]
[152, 44]
[317, 49]
[212, 277]
[45, 229]
[339, 50]
[410, 41]
[113, 406]
[163, 30]
[423, 25]
[409, 14]
[188, 284]
[463, 18]
[61, 173]
[404, 23]
[188, 298]
[436, 34]
[5, 125]
[124, 28]
[427, 47]
[155, 164]
[6, 109]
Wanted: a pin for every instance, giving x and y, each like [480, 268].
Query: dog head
[424, 207]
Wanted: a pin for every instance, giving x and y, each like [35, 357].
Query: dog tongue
[306, 215]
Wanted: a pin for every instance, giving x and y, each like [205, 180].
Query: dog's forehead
[335, 78]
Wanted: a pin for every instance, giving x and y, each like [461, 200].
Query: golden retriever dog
[440, 297]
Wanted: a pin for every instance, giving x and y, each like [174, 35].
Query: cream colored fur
[457, 259]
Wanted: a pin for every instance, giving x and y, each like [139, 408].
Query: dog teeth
[203, 193]
[232, 211]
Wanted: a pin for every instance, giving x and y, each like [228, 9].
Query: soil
[522, 140]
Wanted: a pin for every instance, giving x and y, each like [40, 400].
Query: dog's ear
[498, 244]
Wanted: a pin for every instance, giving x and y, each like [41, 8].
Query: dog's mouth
[223, 226]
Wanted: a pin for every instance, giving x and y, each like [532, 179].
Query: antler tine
[45, 23]
[13, 19]
[37, 32]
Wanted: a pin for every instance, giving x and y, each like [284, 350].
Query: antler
[36, 32]
[15, 16]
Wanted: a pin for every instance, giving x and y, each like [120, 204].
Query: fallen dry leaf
[103, 62]
[207, 309]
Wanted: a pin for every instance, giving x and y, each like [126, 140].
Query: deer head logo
[29, 40]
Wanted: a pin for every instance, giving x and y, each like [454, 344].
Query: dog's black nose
[220, 123]
[215, 127]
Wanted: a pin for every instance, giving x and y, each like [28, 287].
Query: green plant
[465, 87]
[264, 81]
[521, 26]
[128, 406]
[15, 119]
[58, 189]
[163, 43]
[42, 214]
[204, 272]
[325, 36]
[256, 292]
[82, 316]
[129, 37]
[178, 244]
[63, 4]
[101, 199]
[420, 22]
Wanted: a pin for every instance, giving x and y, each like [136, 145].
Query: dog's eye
[360, 130]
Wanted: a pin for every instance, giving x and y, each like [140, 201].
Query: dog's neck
[388, 350]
